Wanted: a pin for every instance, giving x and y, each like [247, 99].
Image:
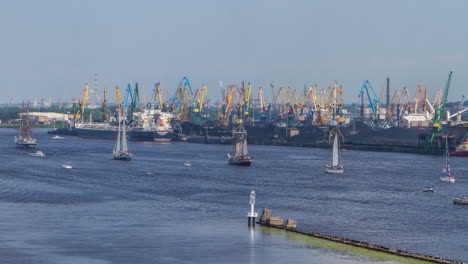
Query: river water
[106, 211]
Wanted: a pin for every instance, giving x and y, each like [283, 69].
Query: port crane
[198, 114]
[440, 113]
[79, 108]
[104, 115]
[374, 101]
[130, 101]
[459, 113]
[179, 100]
[118, 99]
[227, 106]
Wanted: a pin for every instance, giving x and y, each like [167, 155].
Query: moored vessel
[461, 150]
[151, 125]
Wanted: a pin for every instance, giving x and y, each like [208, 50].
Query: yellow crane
[118, 100]
[198, 104]
[405, 97]
[103, 102]
[225, 108]
[261, 100]
[82, 101]
[276, 106]
[199, 99]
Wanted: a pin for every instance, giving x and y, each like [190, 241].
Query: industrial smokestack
[387, 103]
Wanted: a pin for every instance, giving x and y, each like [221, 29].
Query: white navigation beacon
[252, 214]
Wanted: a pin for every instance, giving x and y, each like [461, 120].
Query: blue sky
[51, 48]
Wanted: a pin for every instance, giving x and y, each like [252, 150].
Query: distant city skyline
[52, 48]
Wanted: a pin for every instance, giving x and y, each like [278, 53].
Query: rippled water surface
[106, 211]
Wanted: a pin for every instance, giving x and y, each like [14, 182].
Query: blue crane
[131, 99]
[179, 97]
[366, 86]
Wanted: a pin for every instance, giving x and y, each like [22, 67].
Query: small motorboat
[57, 137]
[187, 164]
[460, 201]
[37, 154]
[149, 173]
[67, 165]
[428, 190]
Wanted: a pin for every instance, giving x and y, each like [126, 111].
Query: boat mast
[335, 157]
[117, 143]
[447, 161]
[124, 136]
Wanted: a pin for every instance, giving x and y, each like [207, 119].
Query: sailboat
[24, 138]
[447, 174]
[241, 155]
[121, 146]
[335, 166]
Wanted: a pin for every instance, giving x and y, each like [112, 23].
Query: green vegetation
[323, 243]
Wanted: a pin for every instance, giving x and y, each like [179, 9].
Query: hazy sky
[52, 48]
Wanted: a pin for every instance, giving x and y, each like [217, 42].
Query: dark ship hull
[62, 131]
[122, 157]
[25, 145]
[134, 134]
[240, 162]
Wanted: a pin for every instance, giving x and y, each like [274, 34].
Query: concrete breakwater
[290, 225]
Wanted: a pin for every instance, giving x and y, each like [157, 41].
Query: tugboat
[447, 172]
[24, 138]
[121, 146]
[335, 167]
[241, 155]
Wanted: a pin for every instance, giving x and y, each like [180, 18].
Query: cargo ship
[151, 125]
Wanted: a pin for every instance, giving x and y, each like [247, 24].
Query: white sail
[240, 141]
[124, 137]
[117, 143]
[245, 152]
[239, 146]
[336, 156]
